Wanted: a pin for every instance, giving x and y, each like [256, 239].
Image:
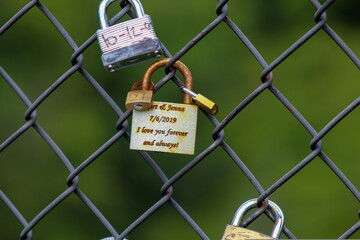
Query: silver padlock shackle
[273, 209]
[136, 4]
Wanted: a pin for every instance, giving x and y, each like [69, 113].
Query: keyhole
[133, 59]
[138, 106]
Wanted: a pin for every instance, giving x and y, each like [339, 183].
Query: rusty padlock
[129, 42]
[139, 99]
[166, 127]
[234, 232]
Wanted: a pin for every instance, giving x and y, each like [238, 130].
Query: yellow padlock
[234, 232]
[202, 101]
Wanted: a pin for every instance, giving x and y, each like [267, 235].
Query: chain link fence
[30, 220]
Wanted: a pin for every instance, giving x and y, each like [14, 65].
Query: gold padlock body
[206, 104]
[139, 100]
[239, 233]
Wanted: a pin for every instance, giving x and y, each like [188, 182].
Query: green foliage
[318, 79]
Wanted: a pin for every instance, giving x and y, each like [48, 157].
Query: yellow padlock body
[139, 100]
[239, 233]
[206, 104]
[165, 127]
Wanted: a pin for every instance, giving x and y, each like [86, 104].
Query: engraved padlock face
[127, 43]
[239, 233]
[139, 99]
[165, 127]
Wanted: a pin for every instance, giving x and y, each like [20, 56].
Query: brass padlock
[202, 101]
[129, 42]
[166, 127]
[139, 99]
[234, 232]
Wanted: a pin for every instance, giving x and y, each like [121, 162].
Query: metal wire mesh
[267, 84]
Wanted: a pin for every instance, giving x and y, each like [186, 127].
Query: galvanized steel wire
[267, 84]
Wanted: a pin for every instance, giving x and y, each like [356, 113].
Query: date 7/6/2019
[161, 119]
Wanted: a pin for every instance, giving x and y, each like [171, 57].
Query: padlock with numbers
[129, 42]
[166, 127]
[139, 99]
[234, 232]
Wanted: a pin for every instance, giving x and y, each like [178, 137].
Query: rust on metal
[137, 84]
[179, 66]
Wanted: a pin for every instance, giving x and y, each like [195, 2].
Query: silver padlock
[127, 43]
[235, 232]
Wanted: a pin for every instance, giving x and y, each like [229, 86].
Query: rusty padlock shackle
[273, 209]
[179, 66]
[137, 84]
[136, 4]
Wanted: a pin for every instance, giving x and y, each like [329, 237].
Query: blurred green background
[318, 79]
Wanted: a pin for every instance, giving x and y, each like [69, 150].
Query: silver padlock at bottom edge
[234, 232]
[127, 43]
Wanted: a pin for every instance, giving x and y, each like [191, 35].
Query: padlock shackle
[179, 66]
[273, 209]
[136, 4]
[139, 83]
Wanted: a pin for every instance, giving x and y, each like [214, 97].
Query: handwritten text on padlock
[125, 34]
